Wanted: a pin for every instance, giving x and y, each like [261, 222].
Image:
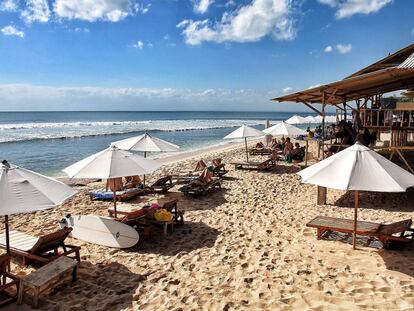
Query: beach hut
[145, 143]
[296, 119]
[245, 132]
[358, 168]
[111, 163]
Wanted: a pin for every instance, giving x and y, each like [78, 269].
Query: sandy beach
[245, 247]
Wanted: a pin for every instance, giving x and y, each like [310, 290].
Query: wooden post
[356, 203]
[115, 204]
[247, 152]
[306, 153]
[321, 196]
[6, 226]
[145, 155]
[322, 190]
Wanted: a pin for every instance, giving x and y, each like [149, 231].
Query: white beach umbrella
[296, 120]
[245, 132]
[24, 191]
[358, 168]
[111, 163]
[310, 119]
[284, 129]
[145, 143]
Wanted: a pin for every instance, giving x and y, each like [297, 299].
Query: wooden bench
[39, 279]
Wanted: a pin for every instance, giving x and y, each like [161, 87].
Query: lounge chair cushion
[19, 240]
[396, 227]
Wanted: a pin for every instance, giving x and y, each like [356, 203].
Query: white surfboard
[101, 230]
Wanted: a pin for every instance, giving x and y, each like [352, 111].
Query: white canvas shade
[310, 119]
[145, 143]
[111, 163]
[358, 168]
[24, 191]
[245, 132]
[284, 129]
[296, 120]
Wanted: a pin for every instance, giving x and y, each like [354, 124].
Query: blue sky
[187, 54]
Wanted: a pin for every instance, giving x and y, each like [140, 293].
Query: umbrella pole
[247, 152]
[145, 155]
[6, 225]
[356, 203]
[115, 204]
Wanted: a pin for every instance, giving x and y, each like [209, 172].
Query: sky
[187, 54]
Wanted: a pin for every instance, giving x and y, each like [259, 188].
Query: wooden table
[39, 279]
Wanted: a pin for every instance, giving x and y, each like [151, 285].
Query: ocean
[47, 142]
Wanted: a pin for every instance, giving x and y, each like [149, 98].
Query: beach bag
[163, 215]
[151, 210]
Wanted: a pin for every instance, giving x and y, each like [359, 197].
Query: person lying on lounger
[259, 145]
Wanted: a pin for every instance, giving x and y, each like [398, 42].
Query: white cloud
[343, 48]
[348, 8]
[138, 45]
[328, 49]
[287, 90]
[12, 31]
[9, 5]
[105, 10]
[37, 97]
[313, 86]
[201, 6]
[247, 23]
[36, 11]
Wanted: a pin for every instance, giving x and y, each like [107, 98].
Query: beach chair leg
[75, 274]
[21, 292]
[36, 298]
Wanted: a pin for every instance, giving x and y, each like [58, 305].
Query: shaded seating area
[398, 232]
[203, 184]
[125, 189]
[40, 250]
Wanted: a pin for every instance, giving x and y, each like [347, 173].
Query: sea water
[49, 141]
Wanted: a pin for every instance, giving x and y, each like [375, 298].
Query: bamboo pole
[6, 226]
[247, 152]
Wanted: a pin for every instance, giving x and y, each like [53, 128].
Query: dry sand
[245, 247]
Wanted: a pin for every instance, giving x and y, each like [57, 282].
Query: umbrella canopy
[145, 143]
[311, 119]
[245, 132]
[284, 129]
[24, 191]
[358, 168]
[296, 120]
[111, 163]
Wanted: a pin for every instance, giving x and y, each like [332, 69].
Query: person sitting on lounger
[131, 182]
[298, 153]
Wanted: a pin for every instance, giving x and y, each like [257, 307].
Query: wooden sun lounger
[400, 231]
[198, 189]
[40, 250]
[163, 184]
[260, 166]
[123, 195]
[219, 170]
[260, 151]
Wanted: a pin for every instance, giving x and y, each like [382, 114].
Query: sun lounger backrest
[201, 165]
[161, 181]
[396, 227]
[50, 241]
[170, 205]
